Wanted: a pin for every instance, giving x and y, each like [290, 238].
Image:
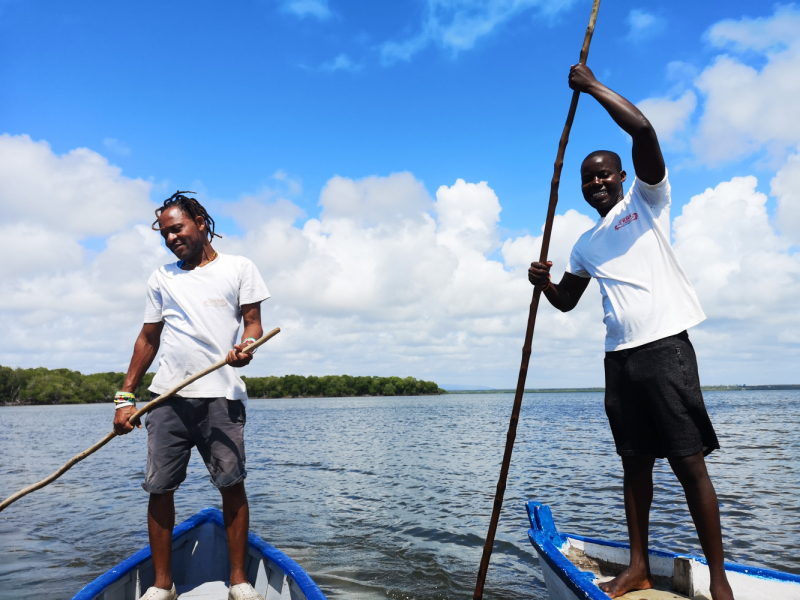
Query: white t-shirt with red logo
[646, 294]
[201, 310]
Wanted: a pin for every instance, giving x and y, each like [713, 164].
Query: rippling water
[390, 497]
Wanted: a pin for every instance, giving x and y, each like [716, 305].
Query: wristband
[549, 283]
[250, 339]
[123, 399]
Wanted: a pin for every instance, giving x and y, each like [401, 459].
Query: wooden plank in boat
[210, 590]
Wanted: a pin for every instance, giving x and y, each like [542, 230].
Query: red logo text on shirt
[625, 220]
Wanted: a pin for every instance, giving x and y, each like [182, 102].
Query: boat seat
[646, 594]
[210, 590]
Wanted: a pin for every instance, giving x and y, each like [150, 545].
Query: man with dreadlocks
[193, 313]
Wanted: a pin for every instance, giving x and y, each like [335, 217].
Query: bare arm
[144, 351]
[251, 315]
[648, 161]
[564, 295]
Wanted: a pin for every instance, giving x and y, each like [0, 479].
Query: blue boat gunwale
[543, 532]
[207, 515]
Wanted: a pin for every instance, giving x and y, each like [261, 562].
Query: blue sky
[228, 95]
[267, 101]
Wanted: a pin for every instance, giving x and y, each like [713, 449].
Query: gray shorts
[214, 425]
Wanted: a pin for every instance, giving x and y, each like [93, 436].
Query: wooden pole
[526, 349]
[133, 420]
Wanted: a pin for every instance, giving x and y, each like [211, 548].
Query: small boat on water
[200, 567]
[573, 565]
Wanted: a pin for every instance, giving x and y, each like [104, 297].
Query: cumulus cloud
[386, 280]
[764, 34]
[456, 25]
[78, 193]
[669, 117]
[748, 108]
[389, 279]
[785, 186]
[61, 305]
[747, 278]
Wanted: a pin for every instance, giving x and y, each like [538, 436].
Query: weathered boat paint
[689, 574]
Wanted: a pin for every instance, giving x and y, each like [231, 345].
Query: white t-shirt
[646, 294]
[201, 313]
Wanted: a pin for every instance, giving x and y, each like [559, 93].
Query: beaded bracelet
[250, 339]
[122, 399]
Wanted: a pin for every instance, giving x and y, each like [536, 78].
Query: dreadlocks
[191, 208]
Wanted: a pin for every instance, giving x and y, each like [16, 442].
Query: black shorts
[653, 400]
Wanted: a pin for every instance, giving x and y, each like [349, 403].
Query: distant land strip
[705, 388]
[63, 386]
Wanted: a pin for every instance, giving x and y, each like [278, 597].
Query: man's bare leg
[236, 514]
[704, 507]
[160, 522]
[638, 489]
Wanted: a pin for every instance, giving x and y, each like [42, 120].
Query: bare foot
[629, 580]
[721, 590]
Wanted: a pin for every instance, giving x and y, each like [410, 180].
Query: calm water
[390, 497]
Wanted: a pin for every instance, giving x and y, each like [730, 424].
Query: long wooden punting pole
[526, 349]
[134, 419]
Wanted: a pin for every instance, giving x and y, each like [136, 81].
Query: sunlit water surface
[390, 497]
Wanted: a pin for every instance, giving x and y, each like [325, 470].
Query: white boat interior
[574, 566]
[676, 576]
[200, 569]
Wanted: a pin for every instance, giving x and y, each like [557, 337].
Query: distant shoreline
[705, 388]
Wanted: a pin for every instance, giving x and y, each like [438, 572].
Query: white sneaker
[243, 591]
[155, 593]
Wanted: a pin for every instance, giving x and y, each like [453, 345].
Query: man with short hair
[653, 398]
[193, 313]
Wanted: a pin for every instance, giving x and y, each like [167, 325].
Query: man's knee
[160, 501]
[235, 493]
[638, 466]
[689, 469]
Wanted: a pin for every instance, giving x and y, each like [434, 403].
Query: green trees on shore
[293, 386]
[62, 386]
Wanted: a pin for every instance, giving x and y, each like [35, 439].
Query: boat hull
[200, 567]
[677, 575]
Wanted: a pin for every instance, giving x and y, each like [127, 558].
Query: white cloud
[61, 305]
[307, 8]
[78, 192]
[669, 117]
[388, 280]
[748, 281]
[764, 34]
[456, 25]
[785, 186]
[749, 108]
[341, 63]
[642, 25]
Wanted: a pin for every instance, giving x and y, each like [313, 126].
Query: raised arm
[647, 158]
[144, 351]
